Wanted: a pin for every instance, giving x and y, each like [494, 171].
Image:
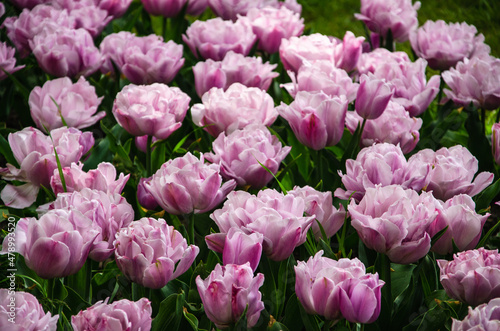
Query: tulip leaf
[484, 199]
[7, 152]
[309, 321]
[483, 240]
[192, 320]
[438, 235]
[116, 147]
[170, 313]
[400, 278]
[478, 144]
[75, 302]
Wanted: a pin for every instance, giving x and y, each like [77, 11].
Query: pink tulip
[394, 126]
[66, 52]
[165, 8]
[224, 36]
[22, 29]
[244, 153]
[277, 217]
[145, 199]
[229, 10]
[452, 172]
[59, 100]
[472, 276]
[394, 221]
[186, 184]
[240, 248]
[271, 25]
[234, 68]
[475, 80]
[151, 253]
[372, 97]
[228, 292]
[108, 213]
[143, 60]
[102, 179]
[196, 7]
[57, 244]
[154, 110]
[119, 315]
[21, 311]
[320, 205]
[444, 45]
[483, 317]
[371, 61]
[336, 289]
[398, 16]
[217, 114]
[34, 151]
[8, 61]
[115, 8]
[380, 164]
[87, 14]
[464, 225]
[322, 76]
[316, 118]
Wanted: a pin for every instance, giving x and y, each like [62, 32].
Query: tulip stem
[483, 120]
[440, 95]
[149, 156]
[360, 137]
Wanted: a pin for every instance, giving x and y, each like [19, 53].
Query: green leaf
[483, 240]
[484, 199]
[75, 302]
[7, 152]
[438, 235]
[170, 313]
[292, 316]
[193, 321]
[309, 321]
[400, 278]
[478, 144]
[116, 147]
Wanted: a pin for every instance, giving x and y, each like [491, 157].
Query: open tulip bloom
[224, 165]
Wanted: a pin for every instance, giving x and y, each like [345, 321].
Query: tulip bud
[372, 97]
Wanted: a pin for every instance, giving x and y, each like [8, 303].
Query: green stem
[360, 137]
[483, 120]
[51, 284]
[149, 156]
[191, 229]
[440, 94]
[327, 325]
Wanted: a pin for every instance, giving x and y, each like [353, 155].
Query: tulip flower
[316, 118]
[59, 103]
[142, 60]
[24, 309]
[495, 142]
[145, 199]
[216, 111]
[119, 315]
[7, 61]
[186, 184]
[151, 253]
[394, 221]
[336, 289]
[240, 248]
[88, 15]
[484, 317]
[234, 68]
[165, 8]
[244, 153]
[372, 97]
[34, 151]
[320, 205]
[57, 244]
[452, 172]
[230, 290]
[224, 36]
[472, 276]
[155, 110]
[444, 45]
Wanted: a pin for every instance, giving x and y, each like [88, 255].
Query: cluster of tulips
[200, 164]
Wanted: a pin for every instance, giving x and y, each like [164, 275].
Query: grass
[334, 17]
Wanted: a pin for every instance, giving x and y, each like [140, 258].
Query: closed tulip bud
[151, 253]
[316, 119]
[372, 97]
[224, 36]
[216, 112]
[155, 110]
[26, 311]
[146, 199]
[247, 155]
[483, 317]
[394, 221]
[186, 184]
[240, 248]
[230, 290]
[336, 289]
[472, 276]
[165, 8]
[119, 315]
[59, 103]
